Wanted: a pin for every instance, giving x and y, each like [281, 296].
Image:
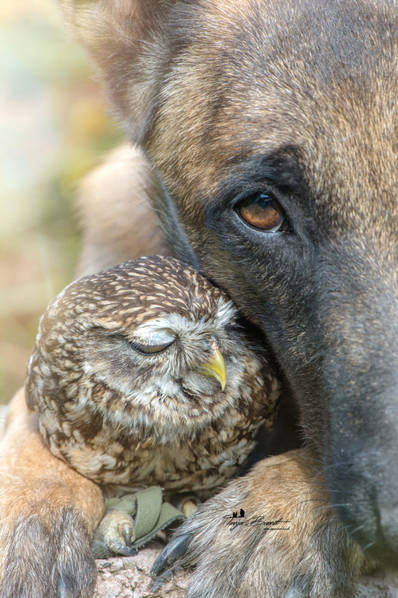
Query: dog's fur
[229, 98]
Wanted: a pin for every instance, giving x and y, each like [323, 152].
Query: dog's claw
[172, 553]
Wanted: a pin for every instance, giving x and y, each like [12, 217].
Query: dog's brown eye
[262, 212]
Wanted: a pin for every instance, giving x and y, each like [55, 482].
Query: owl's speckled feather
[127, 419]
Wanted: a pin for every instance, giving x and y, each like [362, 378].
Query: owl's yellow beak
[215, 367]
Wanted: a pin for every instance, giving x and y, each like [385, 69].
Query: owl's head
[148, 343]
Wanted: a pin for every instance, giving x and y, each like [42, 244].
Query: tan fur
[116, 215]
[286, 513]
[34, 482]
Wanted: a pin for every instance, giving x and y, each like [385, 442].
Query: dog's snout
[365, 493]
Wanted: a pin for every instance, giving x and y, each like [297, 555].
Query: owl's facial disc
[191, 352]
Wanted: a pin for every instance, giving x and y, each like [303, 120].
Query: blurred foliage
[54, 127]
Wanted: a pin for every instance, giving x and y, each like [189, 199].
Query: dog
[271, 129]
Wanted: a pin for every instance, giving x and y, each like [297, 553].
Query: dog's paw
[49, 558]
[269, 534]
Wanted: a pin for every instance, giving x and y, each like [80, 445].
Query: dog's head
[274, 128]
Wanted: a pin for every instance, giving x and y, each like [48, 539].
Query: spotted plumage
[142, 375]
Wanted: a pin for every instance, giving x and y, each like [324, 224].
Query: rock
[379, 585]
[128, 577]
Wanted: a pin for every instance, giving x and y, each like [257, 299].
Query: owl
[143, 375]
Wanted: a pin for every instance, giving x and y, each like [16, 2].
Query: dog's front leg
[48, 513]
[269, 534]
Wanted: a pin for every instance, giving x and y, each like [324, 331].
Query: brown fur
[131, 229]
[254, 553]
[44, 507]
[208, 88]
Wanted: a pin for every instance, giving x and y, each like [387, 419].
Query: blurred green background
[54, 128]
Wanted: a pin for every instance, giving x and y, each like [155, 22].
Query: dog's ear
[128, 41]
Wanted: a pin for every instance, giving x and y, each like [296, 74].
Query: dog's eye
[262, 211]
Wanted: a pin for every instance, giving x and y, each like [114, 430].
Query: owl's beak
[214, 367]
